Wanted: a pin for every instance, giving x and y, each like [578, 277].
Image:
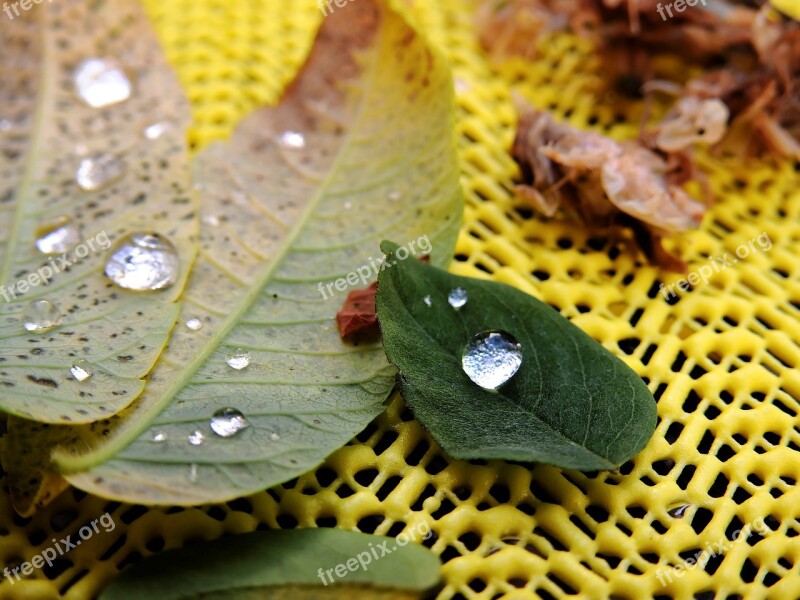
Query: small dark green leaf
[284, 564]
[571, 404]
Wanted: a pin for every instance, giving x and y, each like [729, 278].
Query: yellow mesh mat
[720, 360]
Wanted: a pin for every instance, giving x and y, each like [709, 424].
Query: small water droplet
[239, 359]
[274, 437]
[679, 511]
[457, 298]
[427, 300]
[6, 125]
[293, 139]
[99, 170]
[395, 195]
[40, 316]
[57, 237]
[159, 436]
[192, 473]
[196, 437]
[211, 220]
[81, 370]
[227, 422]
[194, 324]
[101, 82]
[461, 85]
[491, 358]
[348, 205]
[156, 130]
[143, 261]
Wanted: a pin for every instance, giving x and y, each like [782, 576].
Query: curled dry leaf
[603, 181]
[357, 317]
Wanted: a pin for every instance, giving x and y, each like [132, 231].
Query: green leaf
[283, 564]
[374, 104]
[572, 403]
[46, 130]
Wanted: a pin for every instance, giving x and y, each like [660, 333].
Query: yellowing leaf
[360, 148]
[76, 164]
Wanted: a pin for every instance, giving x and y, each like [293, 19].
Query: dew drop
[57, 237]
[427, 300]
[348, 205]
[196, 437]
[227, 422]
[491, 358]
[457, 298]
[159, 436]
[6, 125]
[98, 171]
[101, 82]
[156, 130]
[194, 324]
[211, 220]
[274, 437]
[239, 359]
[395, 195]
[143, 261]
[293, 139]
[679, 511]
[192, 473]
[40, 316]
[81, 370]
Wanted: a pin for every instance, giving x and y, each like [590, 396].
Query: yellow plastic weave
[720, 361]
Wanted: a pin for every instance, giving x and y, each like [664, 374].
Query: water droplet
[40, 316]
[457, 298]
[348, 205]
[101, 82]
[211, 220]
[293, 139]
[57, 237]
[192, 473]
[6, 125]
[196, 437]
[239, 359]
[227, 422]
[491, 358]
[427, 300]
[98, 171]
[395, 195]
[159, 436]
[156, 130]
[81, 370]
[679, 511]
[143, 261]
[274, 437]
[461, 85]
[194, 324]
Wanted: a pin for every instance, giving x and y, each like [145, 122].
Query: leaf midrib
[97, 456]
[43, 105]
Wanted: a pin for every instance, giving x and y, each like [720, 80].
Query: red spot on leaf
[358, 316]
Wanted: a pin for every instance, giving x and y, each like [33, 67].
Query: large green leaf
[374, 104]
[46, 131]
[572, 403]
[291, 564]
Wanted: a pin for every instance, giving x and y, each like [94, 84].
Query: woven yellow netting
[719, 359]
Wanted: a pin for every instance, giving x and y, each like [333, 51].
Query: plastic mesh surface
[721, 361]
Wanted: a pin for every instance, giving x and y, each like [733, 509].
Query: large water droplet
[40, 316]
[99, 170]
[101, 82]
[159, 436]
[292, 139]
[57, 237]
[143, 261]
[194, 324]
[457, 298]
[678, 511]
[491, 358]
[227, 422]
[239, 359]
[196, 437]
[81, 370]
